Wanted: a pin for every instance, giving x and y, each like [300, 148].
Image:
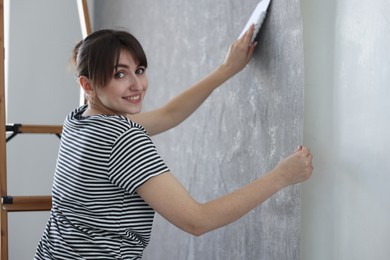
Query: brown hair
[97, 55]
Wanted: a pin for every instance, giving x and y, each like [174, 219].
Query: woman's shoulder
[115, 124]
[120, 121]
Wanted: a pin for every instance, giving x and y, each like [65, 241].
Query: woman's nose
[135, 84]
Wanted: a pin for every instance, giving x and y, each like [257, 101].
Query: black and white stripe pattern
[96, 212]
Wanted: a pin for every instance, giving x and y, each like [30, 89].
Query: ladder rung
[37, 129]
[26, 203]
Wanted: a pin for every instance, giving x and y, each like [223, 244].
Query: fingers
[307, 158]
[298, 148]
[247, 40]
[310, 157]
[249, 34]
[304, 150]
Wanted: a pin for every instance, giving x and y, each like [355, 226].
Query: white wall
[346, 205]
[41, 90]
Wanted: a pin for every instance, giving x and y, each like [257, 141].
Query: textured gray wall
[242, 130]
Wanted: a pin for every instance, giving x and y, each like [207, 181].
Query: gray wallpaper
[242, 130]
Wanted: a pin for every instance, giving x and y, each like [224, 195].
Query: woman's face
[126, 90]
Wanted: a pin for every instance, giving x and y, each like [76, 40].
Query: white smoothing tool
[257, 18]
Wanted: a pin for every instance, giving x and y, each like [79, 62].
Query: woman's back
[102, 160]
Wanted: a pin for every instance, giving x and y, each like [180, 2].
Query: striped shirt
[96, 212]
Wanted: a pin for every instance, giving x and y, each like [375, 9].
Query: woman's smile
[133, 99]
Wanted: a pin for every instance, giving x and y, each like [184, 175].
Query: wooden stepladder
[3, 159]
[22, 203]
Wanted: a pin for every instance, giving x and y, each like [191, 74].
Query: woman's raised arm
[184, 104]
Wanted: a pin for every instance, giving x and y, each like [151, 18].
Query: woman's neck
[96, 109]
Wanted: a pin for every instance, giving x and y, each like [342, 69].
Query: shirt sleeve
[134, 160]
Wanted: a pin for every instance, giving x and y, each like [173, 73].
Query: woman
[109, 178]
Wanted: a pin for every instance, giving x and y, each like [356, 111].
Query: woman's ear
[86, 85]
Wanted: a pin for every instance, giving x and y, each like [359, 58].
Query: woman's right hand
[240, 52]
[296, 168]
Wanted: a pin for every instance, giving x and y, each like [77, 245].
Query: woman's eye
[140, 71]
[119, 75]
